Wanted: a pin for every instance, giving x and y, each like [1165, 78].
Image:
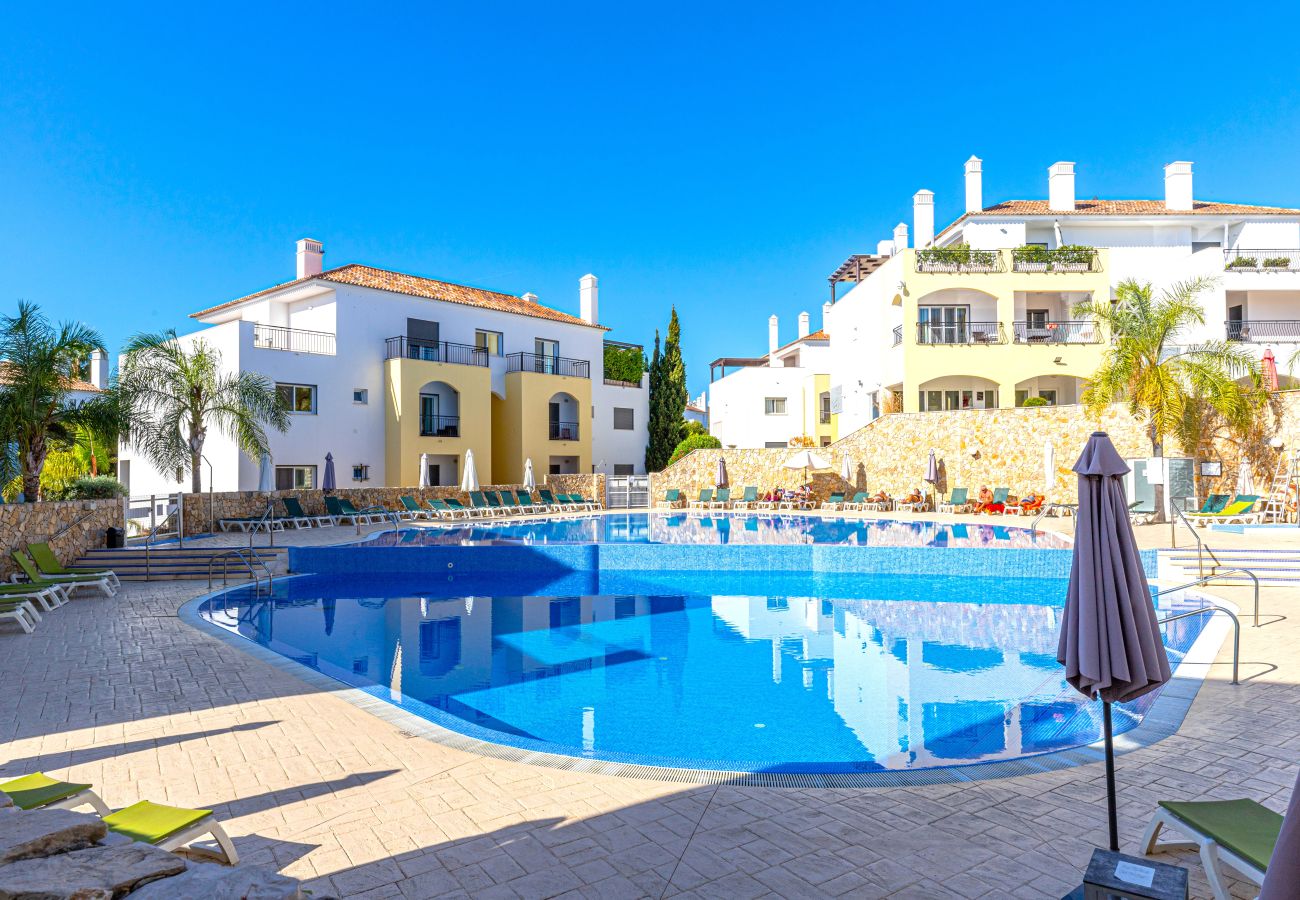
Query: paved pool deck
[121, 693]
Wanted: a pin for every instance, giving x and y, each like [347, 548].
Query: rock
[5, 800]
[216, 882]
[43, 832]
[94, 874]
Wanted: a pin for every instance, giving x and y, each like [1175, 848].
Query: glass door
[943, 324]
[548, 354]
[429, 414]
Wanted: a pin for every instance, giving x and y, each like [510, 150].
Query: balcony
[1278, 330]
[564, 431]
[1261, 260]
[435, 351]
[548, 365]
[1062, 259]
[958, 259]
[1056, 333]
[440, 426]
[294, 340]
[898, 335]
[959, 333]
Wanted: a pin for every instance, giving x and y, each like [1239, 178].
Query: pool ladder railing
[251, 561]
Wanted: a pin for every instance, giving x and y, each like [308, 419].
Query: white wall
[863, 359]
[737, 406]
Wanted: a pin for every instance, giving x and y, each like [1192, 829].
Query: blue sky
[722, 158]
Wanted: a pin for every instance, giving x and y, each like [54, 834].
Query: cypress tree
[667, 397]
[652, 460]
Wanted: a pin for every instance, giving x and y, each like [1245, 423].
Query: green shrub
[1073, 255]
[694, 442]
[957, 256]
[691, 426]
[1277, 262]
[1242, 262]
[624, 364]
[1031, 253]
[1036, 401]
[94, 487]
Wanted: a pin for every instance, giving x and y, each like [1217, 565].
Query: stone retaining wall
[28, 523]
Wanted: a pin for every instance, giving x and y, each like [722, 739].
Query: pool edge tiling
[1162, 719]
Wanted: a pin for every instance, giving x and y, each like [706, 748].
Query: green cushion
[46, 559]
[1237, 508]
[153, 822]
[1242, 826]
[38, 789]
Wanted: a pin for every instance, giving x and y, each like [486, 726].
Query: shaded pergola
[718, 368]
[854, 269]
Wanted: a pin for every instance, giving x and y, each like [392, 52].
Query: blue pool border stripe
[559, 558]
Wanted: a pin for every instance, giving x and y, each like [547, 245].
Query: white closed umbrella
[1049, 466]
[424, 470]
[806, 459]
[1245, 479]
[469, 481]
[266, 475]
[846, 468]
[530, 480]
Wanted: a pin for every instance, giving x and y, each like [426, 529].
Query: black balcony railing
[294, 340]
[439, 426]
[1062, 259]
[548, 365]
[959, 333]
[435, 351]
[1261, 260]
[1264, 330]
[1074, 332]
[958, 259]
[898, 335]
[564, 431]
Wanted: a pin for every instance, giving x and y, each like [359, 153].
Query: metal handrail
[1201, 547]
[1208, 578]
[240, 554]
[1048, 507]
[149, 539]
[1212, 608]
[947, 334]
[266, 521]
[377, 510]
[73, 524]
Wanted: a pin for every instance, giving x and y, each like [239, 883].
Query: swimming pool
[775, 672]
[721, 528]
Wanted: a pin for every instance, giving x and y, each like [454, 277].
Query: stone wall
[244, 504]
[997, 447]
[28, 523]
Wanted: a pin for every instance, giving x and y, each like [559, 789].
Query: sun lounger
[1017, 509]
[860, 498]
[834, 501]
[1240, 834]
[956, 502]
[466, 511]
[922, 505]
[297, 521]
[721, 500]
[170, 827]
[527, 503]
[553, 503]
[409, 504]
[672, 499]
[494, 502]
[796, 502]
[747, 500]
[705, 498]
[48, 597]
[20, 610]
[877, 505]
[334, 506]
[68, 583]
[40, 791]
[1214, 503]
[1241, 511]
[50, 566]
[440, 509]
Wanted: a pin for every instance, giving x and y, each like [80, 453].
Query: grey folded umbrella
[1110, 643]
[1284, 868]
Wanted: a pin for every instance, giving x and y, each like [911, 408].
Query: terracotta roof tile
[415, 286]
[1131, 208]
[71, 384]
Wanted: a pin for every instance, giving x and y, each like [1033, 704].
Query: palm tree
[40, 362]
[173, 394]
[1160, 380]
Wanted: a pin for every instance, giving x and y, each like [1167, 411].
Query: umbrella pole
[1113, 820]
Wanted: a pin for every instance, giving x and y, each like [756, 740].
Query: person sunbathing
[915, 497]
[1031, 502]
[986, 504]
[879, 497]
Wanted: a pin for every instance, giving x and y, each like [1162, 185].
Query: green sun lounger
[21, 611]
[705, 498]
[293, 506]
[40, 791]
[49, 565]
[552, 502]
[68, 583]
[1240, 834]
[672, 498]
[170, 827]
[416, 511]
[956, 502]
[834, 501]
[494, 501]
[526, 502]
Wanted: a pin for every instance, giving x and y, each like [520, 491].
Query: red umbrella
[1268, 371]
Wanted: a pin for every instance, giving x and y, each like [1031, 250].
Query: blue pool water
[776, 672]
[723, 528]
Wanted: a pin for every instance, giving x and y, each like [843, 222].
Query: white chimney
[884, 248]
[1060, 187]
[529, 298]
[311, 254]
[99, 369]
[1178, 186]
[900, 237]
[974, 184]
[772, 341]
[923, 218]
[804, 322]
[826, 316]
[589, 302]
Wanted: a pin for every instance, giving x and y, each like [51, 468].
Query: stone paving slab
[120, 693]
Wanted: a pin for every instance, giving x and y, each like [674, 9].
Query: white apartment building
[980, 313]
[769, 400]
[384, 370]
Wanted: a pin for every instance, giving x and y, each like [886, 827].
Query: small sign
[1211, 469]
[1155, 471]
[1143, 876]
